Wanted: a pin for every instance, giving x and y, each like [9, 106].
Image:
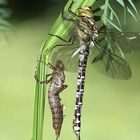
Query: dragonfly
[56, 87]
[104, 48]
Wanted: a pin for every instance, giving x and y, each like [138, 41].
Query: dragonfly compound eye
[85, 11]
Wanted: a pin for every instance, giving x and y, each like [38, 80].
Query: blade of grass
[39, 103]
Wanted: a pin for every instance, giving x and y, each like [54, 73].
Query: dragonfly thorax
[87, 29]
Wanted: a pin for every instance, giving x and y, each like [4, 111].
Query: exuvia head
[60, 65]
[85, 11]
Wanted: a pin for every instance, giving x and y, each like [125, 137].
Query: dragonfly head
[85, 11]
[60, 65]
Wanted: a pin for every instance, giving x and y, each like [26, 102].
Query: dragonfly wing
[109, 64]
[127, 42]
[132, 39]
[65, 54]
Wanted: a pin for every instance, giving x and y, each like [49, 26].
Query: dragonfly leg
[71, 40]
[69, 9]
[59, 45]
[64, 87]
[41, 61]
[64, 17]
[70, 12]
[51, 66]
[44, 81]
[60, 38]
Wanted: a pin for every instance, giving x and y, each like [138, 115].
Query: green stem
[60, 28]
[39, 103]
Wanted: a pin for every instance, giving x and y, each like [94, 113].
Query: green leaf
[113, 13]
[105, 12]
[132, 14]
[124, 4]
[132, 4]
[114, 25]
[121, 2]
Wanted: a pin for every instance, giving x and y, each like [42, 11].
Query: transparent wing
[132, 39]
[104, 57]
[65, 54]
[123, 42]
[102, 60]
[109, 64]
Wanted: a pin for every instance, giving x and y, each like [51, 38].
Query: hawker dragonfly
[103, 46]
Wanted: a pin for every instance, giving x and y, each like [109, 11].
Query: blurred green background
[111, 108]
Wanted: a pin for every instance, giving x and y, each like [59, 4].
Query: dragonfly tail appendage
[78, 137]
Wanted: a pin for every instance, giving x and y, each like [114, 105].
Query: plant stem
[39, 103]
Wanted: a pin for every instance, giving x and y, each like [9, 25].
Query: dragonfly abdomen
[55, 88]
[83, 56]
[57, 113]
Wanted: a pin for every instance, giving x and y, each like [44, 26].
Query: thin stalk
[39, 103]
